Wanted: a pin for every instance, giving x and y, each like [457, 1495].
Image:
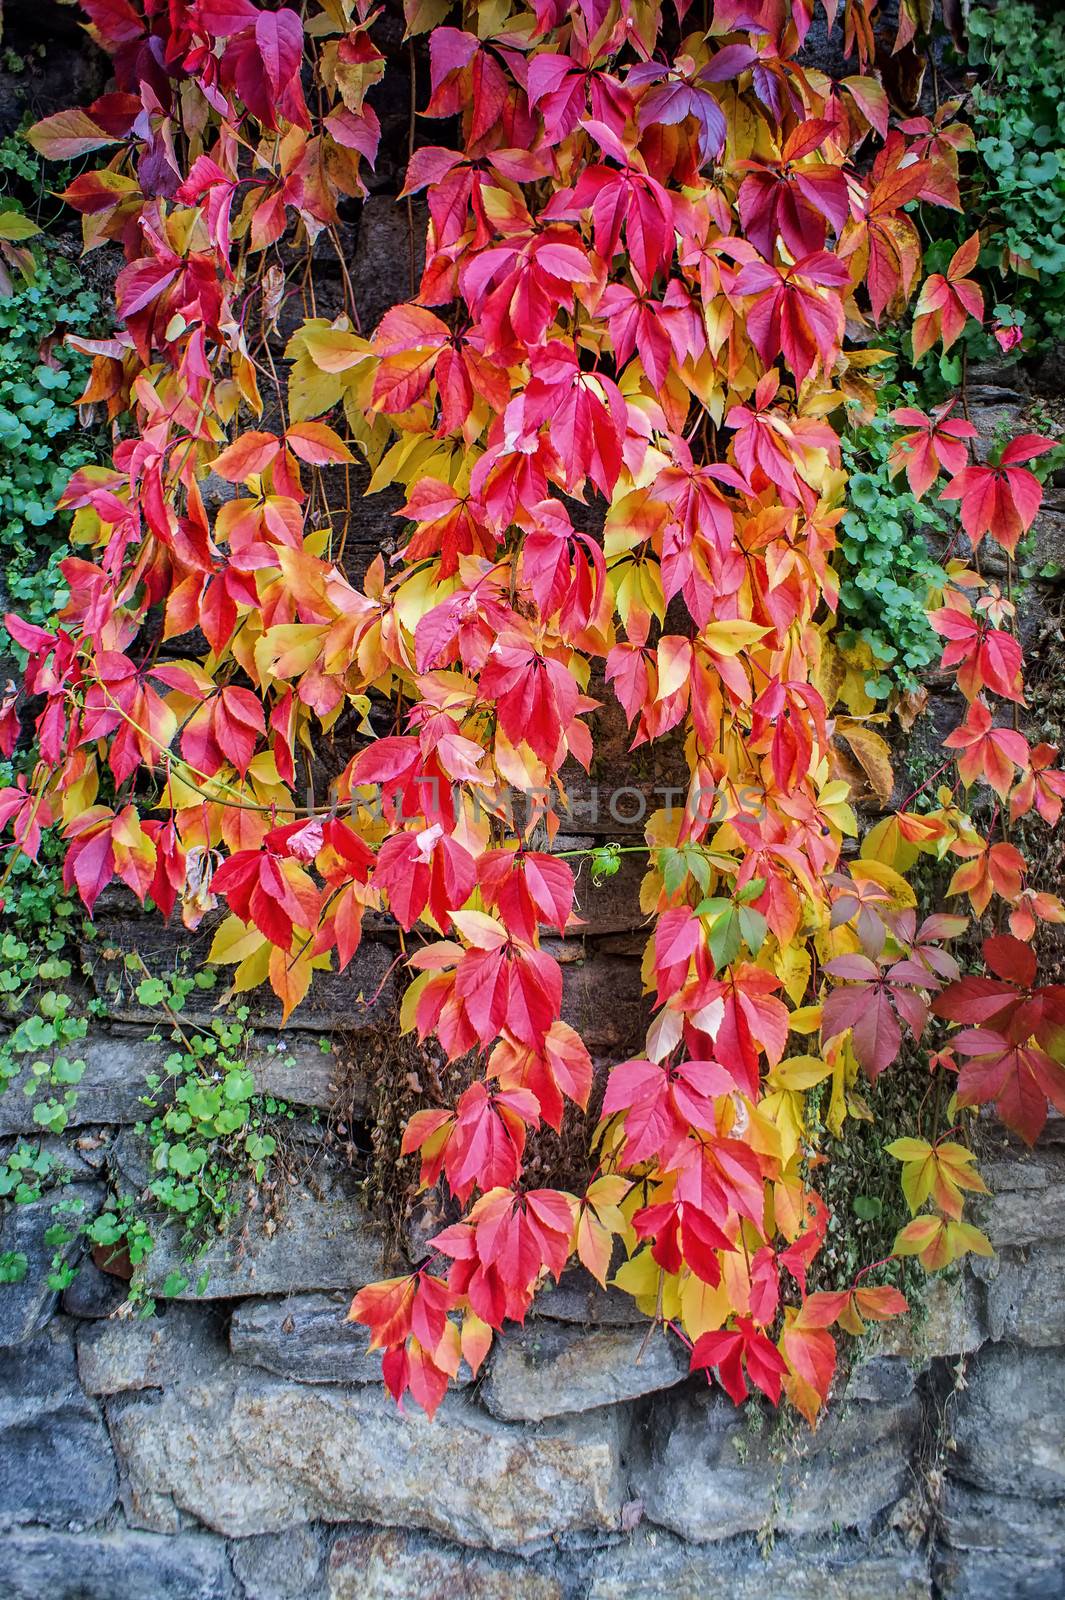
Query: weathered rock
[578, 1298]
[1010, 1425]
[973, 1519]
[1000, 1546]
[880, 1379]
[546, 1369]
[990, 1575]
[281, 1566]
[396, 1566]
[112, 1087]
[103, 1566]
[56, 1465]
[305, 1336]
[1024, 1296]
[259, 1456]
[93, 1293]
[180, 1345]
[323, 1241]
[949, 1323]
[383, 271]
[711, 1475]
[1027, 1204]
[655, 1566]
[358, 999]
[26, 1306]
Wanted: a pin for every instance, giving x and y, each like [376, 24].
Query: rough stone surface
[711, 1476]
[324, 1240]
[395, 1566]
[250, 1456]
[176, 1347]
[950, 1323]
[1010, 1428]
[578, 1298]
[112, 1086]
[546, 1369]
[309, 1337]
[93, 1294]
[1000, 1547]
[26, 1306]
[114, 1566]
[1028, 1200]
[381, 269]
[654, 1566]
[281, 1566]
[1024, 1295]
[56, 1465]
[306, 1336]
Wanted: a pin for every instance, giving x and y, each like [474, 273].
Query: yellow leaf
[234, 940]
[702, 1309]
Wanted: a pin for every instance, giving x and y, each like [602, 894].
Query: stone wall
[239, 1446]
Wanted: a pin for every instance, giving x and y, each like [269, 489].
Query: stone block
[177, 1346]
[1010, 1423]
[261, 1456]
[547, 1369]
[948, 1323]
[1024, 1297]
[306, 1337]
[381, 269]
[56, 1465]
[999, 1546]
[112, 1088]
[578, 1298]
[120, 1565]
[26, 1306]
[93, 1294]
[1027, 1204]
[323, 1240]
[711, 1475]
[281, 1566]
[655, 1566]
[378, 1565]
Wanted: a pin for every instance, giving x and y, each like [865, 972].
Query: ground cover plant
[660, 252]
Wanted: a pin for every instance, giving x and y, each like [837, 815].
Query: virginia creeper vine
[648, 250]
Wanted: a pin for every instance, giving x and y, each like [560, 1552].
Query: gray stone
[1024, 1296]
[305, 1336]
[1027, 1204]
[182, 1344]
[654, 1566]
[112, 1087]
[1010, 1424]
[93, 1293]
[578, 1298]
[56, 1465]
[547, 1369]
[381, 269]
[999, 1546]
[26, 1306]
[281, 1566]
[106, 1566]
[80, 1161]
[881, 1379]
[973, 1519]
[322, 1241]
[260, 1456]
[948, 1323]
[990, 1575]
[712, 1475]
[375, 1565]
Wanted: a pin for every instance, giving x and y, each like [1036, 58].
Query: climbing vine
[658, 252]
